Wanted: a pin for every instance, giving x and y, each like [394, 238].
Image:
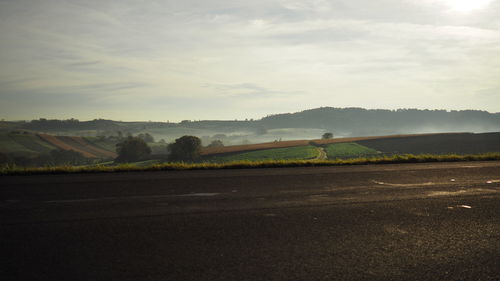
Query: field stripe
[69, 140]
[32, 142]
[99, 150]
[63, 145]
[91, 148]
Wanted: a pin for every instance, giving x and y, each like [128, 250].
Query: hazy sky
[227, 59]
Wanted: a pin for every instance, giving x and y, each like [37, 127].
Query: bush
[146, 137]
[132, 149]
[327, 136]
[186, 148]
[216, 143]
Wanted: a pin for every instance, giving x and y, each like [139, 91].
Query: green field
[18, 144]
[347, 150]
[289, 153]
[32, 142]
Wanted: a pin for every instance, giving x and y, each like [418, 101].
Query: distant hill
[364, 122]
[307, 124]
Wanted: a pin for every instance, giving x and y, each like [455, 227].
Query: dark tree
[327, 136]
[146, 137]
[216, 143]
[132, 149]
[186, 148]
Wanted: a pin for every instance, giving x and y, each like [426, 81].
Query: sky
[231, 59]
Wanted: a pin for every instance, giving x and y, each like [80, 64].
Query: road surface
[375, 222]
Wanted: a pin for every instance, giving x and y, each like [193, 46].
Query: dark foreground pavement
[379, 222]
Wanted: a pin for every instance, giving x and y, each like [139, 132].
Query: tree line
[346, 121]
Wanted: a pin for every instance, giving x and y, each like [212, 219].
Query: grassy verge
[407, 158]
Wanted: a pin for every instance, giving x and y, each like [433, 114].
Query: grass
[289, 153]
[348, 150]
[407, 158]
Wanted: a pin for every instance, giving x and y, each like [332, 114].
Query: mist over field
[308, 124]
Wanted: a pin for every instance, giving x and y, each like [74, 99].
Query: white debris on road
[459, 206]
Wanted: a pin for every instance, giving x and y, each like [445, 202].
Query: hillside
[307, 124]
[363, 122]
[32, 145]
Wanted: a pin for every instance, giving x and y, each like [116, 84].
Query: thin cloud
[84, 63]
[248, 89]
[287, 54]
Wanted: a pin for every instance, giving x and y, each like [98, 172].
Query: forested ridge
[345, 121]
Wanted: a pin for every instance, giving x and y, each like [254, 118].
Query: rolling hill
[99, 149]
[31, 145]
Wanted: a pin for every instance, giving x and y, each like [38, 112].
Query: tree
[132, 149]
[146, 137]
[327, 136]
[186, 148]
[216, 143]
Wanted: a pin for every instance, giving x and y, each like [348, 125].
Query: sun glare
[465, 6]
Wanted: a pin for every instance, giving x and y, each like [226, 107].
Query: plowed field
[77, 144]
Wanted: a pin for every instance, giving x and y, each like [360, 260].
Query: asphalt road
[376, 222]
